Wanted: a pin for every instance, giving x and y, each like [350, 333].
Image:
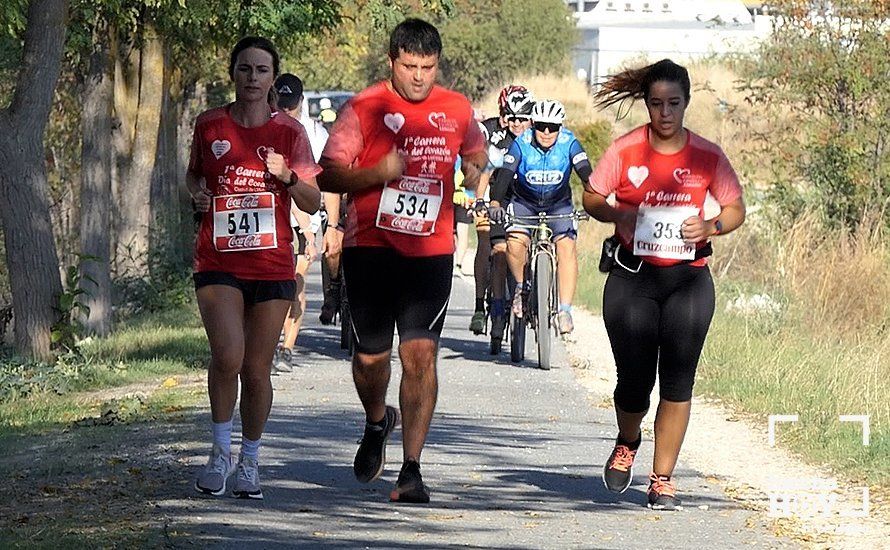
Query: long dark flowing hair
[633, 84]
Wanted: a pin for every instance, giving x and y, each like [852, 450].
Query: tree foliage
[827, 69]
[484, 43]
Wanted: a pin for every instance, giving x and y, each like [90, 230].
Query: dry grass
[835, 283]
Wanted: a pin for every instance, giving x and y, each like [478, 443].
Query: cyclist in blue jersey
[542, 159]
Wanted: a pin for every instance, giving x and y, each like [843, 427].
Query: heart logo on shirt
[637, 175]
[263, 152]
[220, 148]
[680, 174]
[394, 121]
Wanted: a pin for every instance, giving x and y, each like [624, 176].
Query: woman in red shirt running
[247, 165]
[659, 297]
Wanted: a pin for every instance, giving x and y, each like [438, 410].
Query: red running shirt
[247, 231]
[413, 215]
[639, 175]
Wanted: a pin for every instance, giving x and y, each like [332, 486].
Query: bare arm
[731, 217]
[472, 166]
[199, 192]
[306, 195]
[596, 205]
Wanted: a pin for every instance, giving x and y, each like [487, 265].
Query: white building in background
[616, 31]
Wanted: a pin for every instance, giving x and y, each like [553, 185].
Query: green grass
[590, 281]
[769, 366]
[144, 350]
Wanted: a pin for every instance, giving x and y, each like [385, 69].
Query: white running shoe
[212, 480]
[247, 480]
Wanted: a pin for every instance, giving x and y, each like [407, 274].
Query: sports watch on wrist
[292, 181]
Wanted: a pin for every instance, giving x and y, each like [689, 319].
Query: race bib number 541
[658, 232]
[410, 205]
[244, 222]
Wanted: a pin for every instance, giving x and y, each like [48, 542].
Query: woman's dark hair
[254, 42]
[634, 84]
[414, 36]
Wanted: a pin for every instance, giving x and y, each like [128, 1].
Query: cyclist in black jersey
[515, 104]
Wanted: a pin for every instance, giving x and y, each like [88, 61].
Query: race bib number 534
[244, 222]
[658, 232]
[410, 205]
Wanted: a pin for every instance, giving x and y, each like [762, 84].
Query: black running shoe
[410, 487]
[371, 455]
[619, 469]
[662, 493]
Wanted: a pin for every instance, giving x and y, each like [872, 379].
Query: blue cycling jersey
[543, 176]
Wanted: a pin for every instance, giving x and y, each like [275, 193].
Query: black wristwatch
[292, 181]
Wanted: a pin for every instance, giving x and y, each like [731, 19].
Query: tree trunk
[135, 190]
[95, 194]
[164, 207]
[24, 193]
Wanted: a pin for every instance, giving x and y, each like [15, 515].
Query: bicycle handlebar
[579, 215]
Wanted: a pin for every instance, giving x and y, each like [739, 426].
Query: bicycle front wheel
[543, 282]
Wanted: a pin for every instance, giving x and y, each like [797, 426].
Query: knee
[255, 376]
[631, 398]
[677, 389]
[367, 362]
[227, 361]
[418, 357]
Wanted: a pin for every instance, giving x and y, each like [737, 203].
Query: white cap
[324, 103]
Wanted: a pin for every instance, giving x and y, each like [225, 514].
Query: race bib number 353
[244, 222]
[410, 205]
[658, 232]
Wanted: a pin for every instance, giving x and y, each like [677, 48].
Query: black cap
[290, 90]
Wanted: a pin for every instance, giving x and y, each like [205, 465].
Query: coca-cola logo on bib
[407, 224]
[414, 187]
[238, 203]
[245, 241]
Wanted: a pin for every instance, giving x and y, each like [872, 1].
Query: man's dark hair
[414, 36]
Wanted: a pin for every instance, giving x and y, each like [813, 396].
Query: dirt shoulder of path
[733, 448]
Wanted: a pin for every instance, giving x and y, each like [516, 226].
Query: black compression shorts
[386, 290]
[657, 320]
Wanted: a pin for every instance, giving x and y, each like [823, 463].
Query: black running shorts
[386, 291]
[254, 291]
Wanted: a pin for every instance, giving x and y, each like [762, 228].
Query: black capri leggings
[657, 319]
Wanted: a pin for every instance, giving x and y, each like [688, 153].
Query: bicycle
[540, 267]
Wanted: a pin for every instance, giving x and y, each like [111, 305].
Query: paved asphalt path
[514, 460]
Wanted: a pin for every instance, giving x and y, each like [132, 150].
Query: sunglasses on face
[544, 127]
[517, 119]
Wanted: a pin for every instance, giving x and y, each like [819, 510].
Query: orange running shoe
[618, 471]
[662, 493]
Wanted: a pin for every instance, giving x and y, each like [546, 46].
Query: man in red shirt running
[393, 149]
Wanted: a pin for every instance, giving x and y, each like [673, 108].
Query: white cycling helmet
[549, 110]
